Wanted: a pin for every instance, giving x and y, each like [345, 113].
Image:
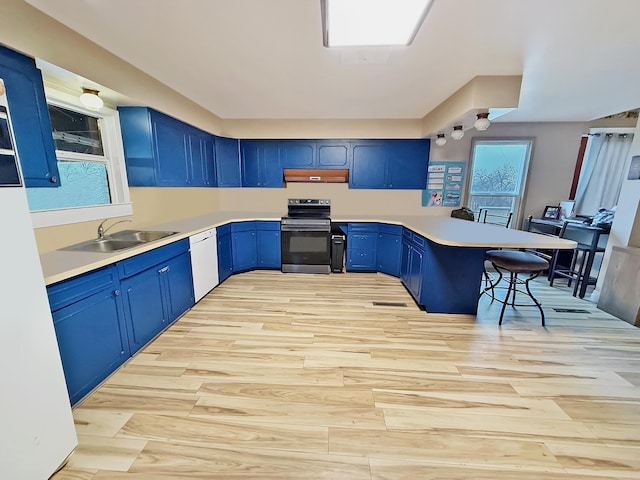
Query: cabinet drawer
[67, 292]
[242, 226]
[419, 241]
[267, 225]
[366, 241]
[392, 229]
[358, 259]
[139, 263]
[363, 227]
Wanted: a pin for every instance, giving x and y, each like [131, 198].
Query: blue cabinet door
[333, 153]
[228, 162]
[297, 153]
[202, 160]
[407, 163]
[261, 163]
[225, 257]
[268, 238]
[244, 246]
[416, 272]
[30, 119]
[388, 254]
[92, 340]
[179, 285]
[172, 154]
[137, 140]
[145, 308]
[369, 165]
[361, 246]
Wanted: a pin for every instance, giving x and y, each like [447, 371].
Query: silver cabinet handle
[164, 270]
[116, 293]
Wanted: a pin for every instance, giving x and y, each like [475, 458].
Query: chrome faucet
[102, 231]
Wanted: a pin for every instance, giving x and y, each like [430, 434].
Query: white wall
[555, 149]
[625, 230]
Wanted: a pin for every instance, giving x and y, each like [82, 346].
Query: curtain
[602, 173]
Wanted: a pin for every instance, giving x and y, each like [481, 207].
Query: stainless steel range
[305, 235]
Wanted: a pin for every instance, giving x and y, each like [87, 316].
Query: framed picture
[551, 212]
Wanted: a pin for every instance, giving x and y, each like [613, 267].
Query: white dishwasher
[204, 262]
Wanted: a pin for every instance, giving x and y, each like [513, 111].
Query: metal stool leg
[506, 298]
[535, 300]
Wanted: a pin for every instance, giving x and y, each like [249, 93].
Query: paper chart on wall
[444, 184]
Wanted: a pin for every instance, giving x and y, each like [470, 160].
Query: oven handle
[305, 228]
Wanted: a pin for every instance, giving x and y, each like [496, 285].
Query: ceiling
[258, 59]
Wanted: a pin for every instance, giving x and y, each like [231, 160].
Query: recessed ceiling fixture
[457, 133]
[360, 23]
[441, 139]
[90, 99]
[483, 122]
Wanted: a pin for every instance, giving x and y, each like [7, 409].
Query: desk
[591, 240]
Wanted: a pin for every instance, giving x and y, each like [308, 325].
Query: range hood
[310, 175]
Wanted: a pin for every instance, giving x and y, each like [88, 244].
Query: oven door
[305, 251]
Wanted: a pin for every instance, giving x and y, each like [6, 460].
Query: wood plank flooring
[291, 376]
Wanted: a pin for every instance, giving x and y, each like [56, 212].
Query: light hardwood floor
[276, 376]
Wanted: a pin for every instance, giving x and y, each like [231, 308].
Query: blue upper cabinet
[203, 159]
[322, 154]
[298, 154]
[369, 165]
[407, 163]
[171, 151]
[164, 152]
[261, 163]
[30, 119]
[333, 153]
[228, 162]
[391, 164]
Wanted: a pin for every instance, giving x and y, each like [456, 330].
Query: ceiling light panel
[358, 23]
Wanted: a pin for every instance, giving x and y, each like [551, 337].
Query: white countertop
[61, 264]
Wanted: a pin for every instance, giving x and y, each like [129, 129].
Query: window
[90, 162]
[497, 176]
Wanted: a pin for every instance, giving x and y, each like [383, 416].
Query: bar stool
[515, 262]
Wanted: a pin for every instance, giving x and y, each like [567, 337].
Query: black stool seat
[516, 261]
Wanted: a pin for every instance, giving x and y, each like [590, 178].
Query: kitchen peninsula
[454, 251]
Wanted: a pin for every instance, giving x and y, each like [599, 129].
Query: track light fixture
[90, 99]
[483, 122]
[457, 133]
[440, 139]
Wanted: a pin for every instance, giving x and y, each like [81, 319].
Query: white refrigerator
[37, 432]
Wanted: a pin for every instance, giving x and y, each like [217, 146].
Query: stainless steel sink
[119, 241]
[104, 245]
[143, 236]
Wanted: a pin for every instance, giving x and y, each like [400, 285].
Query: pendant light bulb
[440, 139]
[483, 122]
[457, 133]
[90, 99]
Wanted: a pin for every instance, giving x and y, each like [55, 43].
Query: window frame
[520, 197]
[113, 158]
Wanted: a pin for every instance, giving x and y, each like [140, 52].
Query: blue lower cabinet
[145, 307]
[179, 285]
[362, 241]
[388, 253]
[90, 328]
[412, 266]
[157, 288]
[268, 244]
[244, 246]
[225, 256]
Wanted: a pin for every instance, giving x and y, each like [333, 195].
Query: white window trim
[520, 197]
[114, 159]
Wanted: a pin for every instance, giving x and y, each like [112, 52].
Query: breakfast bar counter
[453, 252]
